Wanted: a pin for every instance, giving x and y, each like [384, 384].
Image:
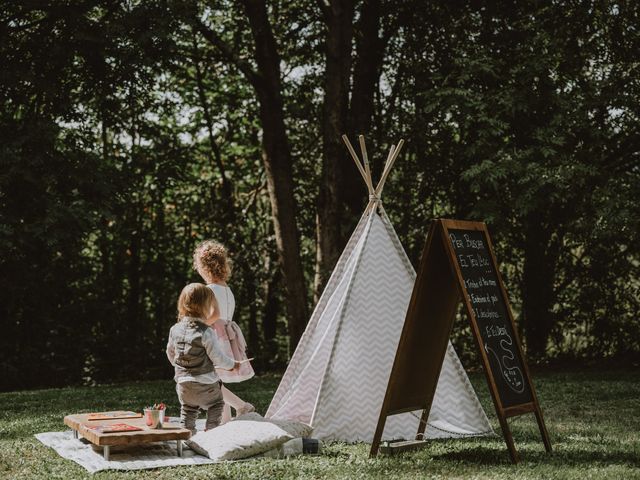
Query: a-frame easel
[458, 263]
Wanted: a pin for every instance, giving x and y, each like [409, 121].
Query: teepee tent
[337, 377]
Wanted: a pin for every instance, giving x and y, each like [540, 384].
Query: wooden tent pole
[386, 163]
[345, 139]
[367, 169]
[390, 161]
[386, 166]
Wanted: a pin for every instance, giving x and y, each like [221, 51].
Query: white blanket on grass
[162, 454]
[134, 457]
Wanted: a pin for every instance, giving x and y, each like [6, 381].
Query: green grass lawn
[592, 417]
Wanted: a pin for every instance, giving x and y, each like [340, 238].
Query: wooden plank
[519, 409]
[393, 448]
[407, 409]
[422, 426]
[543, 429]
[508, 438]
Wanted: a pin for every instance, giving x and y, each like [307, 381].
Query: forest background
[132, 130]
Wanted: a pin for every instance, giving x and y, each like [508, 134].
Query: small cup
[154, 418]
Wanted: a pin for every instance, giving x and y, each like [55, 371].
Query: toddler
[195, 352]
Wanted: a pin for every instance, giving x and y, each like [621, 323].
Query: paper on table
[113, 415]
[115, 428]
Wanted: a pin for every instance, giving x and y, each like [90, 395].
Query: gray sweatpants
[194, 396]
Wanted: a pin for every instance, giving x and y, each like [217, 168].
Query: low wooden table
[79, 423]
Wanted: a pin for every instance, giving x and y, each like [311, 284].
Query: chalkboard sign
[482, 288]
[458, 263]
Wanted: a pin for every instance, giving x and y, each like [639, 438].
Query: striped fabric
[338, 375]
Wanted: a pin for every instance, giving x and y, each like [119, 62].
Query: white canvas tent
[337, 377]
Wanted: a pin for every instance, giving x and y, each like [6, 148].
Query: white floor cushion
[236, 440]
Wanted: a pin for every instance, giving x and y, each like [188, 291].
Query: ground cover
[593, 419]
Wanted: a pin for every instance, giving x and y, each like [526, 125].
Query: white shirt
[226, 300]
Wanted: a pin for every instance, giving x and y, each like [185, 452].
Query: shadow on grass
[492, 456]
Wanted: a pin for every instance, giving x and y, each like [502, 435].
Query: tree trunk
[367, 66]
[276, 155]
[366, 74]
[134, 222]
[160, 269]
[538, 293]
[253, 340]
[278, 166]
[270, 317]
[133, 277]
[215, 156]
[338, 16]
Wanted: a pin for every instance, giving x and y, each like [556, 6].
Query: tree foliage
[127, 135]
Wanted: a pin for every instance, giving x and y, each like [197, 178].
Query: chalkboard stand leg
[423, 425]
[508, 438]
[375, 444]
[543, 430]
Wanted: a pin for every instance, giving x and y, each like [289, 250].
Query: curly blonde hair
[211, 260]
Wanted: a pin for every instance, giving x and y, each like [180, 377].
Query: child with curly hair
[211, 261]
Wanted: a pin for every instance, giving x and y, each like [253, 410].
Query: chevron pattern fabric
[324, 311]
[337, 378]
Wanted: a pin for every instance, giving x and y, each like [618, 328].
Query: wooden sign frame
[437, 292]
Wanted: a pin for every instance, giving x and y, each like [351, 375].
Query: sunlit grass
[592, 417]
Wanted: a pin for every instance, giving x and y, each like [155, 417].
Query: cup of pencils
[154, 415]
